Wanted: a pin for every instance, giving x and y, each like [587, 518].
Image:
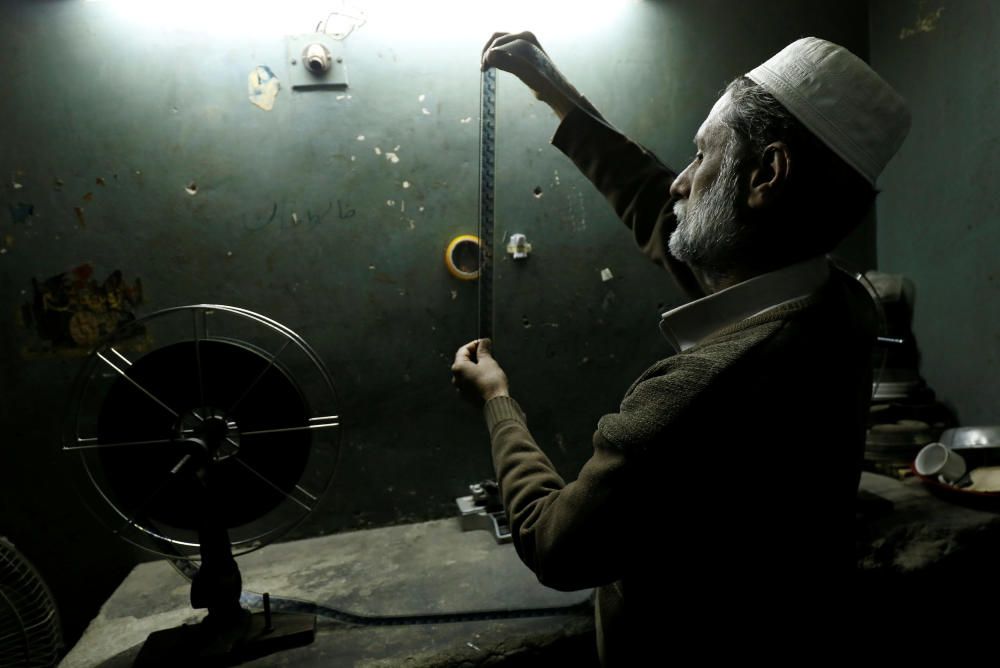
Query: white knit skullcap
[840, 99]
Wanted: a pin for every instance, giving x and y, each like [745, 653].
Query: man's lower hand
[476, 374]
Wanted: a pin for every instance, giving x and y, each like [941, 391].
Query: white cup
[937, 459]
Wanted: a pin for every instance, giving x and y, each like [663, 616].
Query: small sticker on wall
[72, 311]
[263, 87]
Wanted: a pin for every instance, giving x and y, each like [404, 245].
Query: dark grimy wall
[939, 217]
[330, 213]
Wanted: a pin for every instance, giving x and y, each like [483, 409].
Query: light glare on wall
[412, 20]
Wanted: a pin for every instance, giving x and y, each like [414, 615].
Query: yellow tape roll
[462, 257]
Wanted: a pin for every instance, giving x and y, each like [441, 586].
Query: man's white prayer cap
[840, 99]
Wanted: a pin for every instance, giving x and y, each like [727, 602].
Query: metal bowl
[964, 438]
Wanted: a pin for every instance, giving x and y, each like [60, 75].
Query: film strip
[487, 182]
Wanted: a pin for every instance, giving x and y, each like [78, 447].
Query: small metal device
[518, 246]
[483, 509]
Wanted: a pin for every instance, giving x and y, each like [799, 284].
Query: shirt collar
[687, 325]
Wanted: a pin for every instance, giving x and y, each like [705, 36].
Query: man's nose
[681, 187]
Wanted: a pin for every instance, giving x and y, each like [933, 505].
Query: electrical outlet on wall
[316, 61]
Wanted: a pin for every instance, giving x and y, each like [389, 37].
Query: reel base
[209, 643]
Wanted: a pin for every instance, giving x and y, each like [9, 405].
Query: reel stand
[210, 445]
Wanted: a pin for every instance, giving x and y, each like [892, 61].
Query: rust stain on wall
[71, 312]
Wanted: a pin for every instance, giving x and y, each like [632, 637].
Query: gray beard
[708, 235]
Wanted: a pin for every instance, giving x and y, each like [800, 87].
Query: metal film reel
[203, 409]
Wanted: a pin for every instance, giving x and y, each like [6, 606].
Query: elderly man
[716, 507]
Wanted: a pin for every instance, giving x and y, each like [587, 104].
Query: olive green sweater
[717, 499]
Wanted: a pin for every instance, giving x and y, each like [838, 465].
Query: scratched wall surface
[138, 176]
[939, 217]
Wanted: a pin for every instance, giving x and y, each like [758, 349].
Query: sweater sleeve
[571, 534]
[634, 181]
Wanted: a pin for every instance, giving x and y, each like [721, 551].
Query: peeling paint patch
[57, 183]
[420, 209]
[606, 275]
[191, 189]
[392, 157]
[378, 151]
[467, 119]
[421, 97]
[406, 184]
[454, 295]
[353, 158]
[99, 181]
[71, 312]
[390, 202]
[925, 23]
[263, 87]
[78, 210]
[361, 137]
[89, 197]
[425, 111]
[20, 211]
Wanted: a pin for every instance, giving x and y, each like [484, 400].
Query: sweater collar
[687, 325]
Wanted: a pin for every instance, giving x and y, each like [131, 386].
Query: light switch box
[308, 55]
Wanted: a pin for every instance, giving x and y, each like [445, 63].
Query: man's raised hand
[523, 56]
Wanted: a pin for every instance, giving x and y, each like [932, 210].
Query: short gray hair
[825, 187]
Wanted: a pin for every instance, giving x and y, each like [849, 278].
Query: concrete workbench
[926, 559]
[431, 567]
[908, 542]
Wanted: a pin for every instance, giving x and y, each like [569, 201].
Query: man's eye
[698, 156]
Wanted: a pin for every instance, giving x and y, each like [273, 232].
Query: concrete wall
[939, 217]
[111, 115]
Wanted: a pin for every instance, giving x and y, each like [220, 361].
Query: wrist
[561, 101]
[493, 394]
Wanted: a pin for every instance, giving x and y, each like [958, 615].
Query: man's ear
[770, 177]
